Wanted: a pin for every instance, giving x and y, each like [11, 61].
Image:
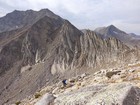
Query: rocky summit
[39, 49]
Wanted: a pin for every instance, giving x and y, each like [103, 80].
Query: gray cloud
[85, 13]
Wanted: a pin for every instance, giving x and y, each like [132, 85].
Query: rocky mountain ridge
[18, 19]
[50, 49]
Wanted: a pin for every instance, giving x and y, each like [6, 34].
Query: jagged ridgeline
[39, 48]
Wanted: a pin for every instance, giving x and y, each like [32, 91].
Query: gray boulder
[115, 94]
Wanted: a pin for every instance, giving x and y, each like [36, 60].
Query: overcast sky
[124, 14]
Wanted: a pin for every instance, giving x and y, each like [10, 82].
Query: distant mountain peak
[107, 31]
[112, 31]
[112, 28]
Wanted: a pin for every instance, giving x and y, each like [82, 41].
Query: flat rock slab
[113, 94]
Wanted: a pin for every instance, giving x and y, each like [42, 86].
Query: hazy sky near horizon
[124, 14]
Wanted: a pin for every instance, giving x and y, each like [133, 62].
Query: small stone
[72, 80]
[131, 70]
[111, 73]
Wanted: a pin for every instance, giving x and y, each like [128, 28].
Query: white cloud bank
[125, 14]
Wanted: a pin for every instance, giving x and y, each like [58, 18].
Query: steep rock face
[38, 38]
[25, 48]
[27, 45]
[91, 51]
[10, 53]
[68, 49]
